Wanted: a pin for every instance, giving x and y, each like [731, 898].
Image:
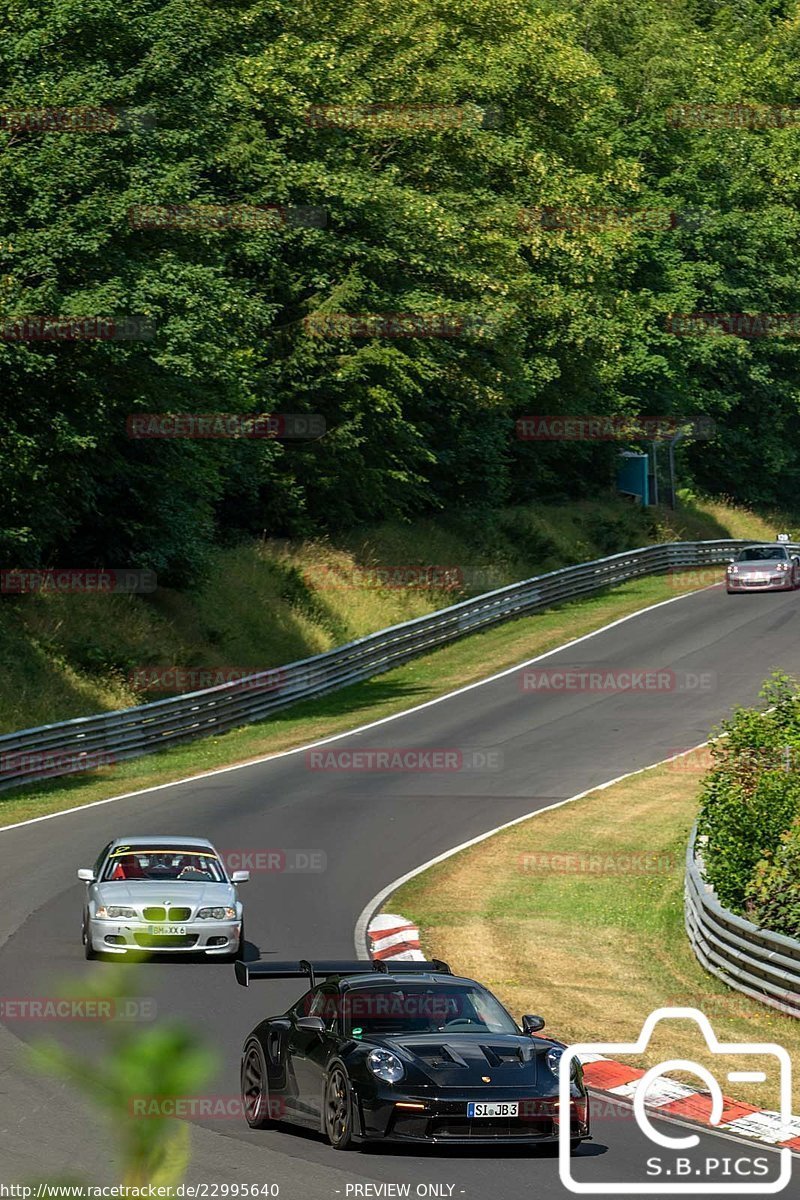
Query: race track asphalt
[372, 828]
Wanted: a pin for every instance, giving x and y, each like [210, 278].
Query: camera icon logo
[763, 1056]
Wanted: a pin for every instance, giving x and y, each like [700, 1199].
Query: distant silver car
[768, 567]
[162, 894]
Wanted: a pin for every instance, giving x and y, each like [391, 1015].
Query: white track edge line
[253, 762]
[370, 910]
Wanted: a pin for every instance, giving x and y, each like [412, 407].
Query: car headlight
[783, 566]
[733, 569]
[553, 1057]
[113, 912]
[217, 914]
[385, 1065]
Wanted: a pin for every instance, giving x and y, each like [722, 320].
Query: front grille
[166, 941]
[161, 914]
[463, 1127]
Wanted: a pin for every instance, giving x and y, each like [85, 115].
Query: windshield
[762, 554]
[422, 1008]
[158, 863]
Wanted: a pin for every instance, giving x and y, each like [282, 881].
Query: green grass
[265, 604]
[470, 659]
[595, 950]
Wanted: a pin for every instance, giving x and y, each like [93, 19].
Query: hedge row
[750, 810]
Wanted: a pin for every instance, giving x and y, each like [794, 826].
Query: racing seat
[128, 868]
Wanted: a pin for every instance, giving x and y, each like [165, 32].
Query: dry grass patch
[595, 948]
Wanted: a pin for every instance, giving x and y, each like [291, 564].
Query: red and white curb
[393, 937]
[668, 1098]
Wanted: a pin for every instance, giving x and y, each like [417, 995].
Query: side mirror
[315, 1024]
[240, 876]
[86, 874]
[532, 1024]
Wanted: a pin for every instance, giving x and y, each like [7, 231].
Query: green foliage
[752, 794]
[419, 220]
[137, 1069]
[773, 894]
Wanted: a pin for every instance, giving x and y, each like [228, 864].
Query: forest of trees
[544, 108]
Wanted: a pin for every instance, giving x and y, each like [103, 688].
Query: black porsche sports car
[403, 1052]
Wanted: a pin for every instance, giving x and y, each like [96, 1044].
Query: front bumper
[443, 1121]
[776, 583]
[201, 937]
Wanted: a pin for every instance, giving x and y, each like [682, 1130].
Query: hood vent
[498, 1056]
[436, 1056]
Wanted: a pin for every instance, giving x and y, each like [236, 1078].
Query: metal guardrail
[69, 746]
[763, 965]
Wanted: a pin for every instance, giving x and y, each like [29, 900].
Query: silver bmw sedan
[162, 894]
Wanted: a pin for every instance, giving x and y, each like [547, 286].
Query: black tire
[338, 1112]
[255, 1086]
[88, 952]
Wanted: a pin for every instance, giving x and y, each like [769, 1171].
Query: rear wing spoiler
[304, 969]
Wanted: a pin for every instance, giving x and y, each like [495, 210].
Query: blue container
[632, 476]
